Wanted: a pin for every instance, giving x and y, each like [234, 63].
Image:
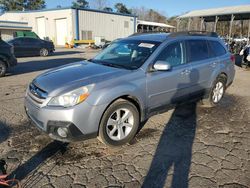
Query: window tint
[173, 54]
[217, 49]
[198, 50]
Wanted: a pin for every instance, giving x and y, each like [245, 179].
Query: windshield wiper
[114, 65]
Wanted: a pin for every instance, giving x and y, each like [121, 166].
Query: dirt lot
[188, 146]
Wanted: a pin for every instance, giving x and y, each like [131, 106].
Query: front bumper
[82, 121]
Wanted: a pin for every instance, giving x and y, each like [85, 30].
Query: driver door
[167, 87]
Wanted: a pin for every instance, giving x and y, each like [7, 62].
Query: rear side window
[198, 50]
[217, 49]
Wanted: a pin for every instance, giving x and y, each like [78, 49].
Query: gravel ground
[188, 146]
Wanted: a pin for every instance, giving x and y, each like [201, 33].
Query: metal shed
[219, 14]
[152, 26]
[63, 25]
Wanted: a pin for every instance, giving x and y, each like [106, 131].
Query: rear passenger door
[202, 63]
[166, 87]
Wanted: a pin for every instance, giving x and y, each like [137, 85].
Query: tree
[99, 4]
[35, 4]
[121, 8]
[149, 15]
[108, 9]
[21, 5]
[12, 5]
[80, 4]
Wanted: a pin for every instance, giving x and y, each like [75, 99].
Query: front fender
[106, 96]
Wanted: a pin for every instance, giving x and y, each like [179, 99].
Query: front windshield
[126, 54]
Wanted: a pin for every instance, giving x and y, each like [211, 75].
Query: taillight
[232, 58]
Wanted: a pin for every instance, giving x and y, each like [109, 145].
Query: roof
[157, 37]
[243, 10]
[66, 8]
[10, 25]
[142, 22]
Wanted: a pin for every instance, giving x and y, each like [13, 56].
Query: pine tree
[35, 4]
[12, 5]
[80, 4]
[121, 8]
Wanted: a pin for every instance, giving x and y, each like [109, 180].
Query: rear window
[198, 50]
[217, 49]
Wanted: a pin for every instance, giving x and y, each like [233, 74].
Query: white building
[63, 25]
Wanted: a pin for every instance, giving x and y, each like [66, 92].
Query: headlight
[71, 98]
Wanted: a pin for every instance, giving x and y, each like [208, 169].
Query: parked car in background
[128, 82]
[7, 57]
[28, 46]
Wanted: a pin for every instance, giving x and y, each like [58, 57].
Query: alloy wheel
[218, 92]
[120, 124]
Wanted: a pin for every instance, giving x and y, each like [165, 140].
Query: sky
[168, 7]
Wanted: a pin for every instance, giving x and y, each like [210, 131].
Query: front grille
[37, 94]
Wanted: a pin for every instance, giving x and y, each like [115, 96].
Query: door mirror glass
[162, 66]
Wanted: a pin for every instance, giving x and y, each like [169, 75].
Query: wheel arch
[131, 99]
[4, 59]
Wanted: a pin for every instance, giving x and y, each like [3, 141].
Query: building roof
[12, 25]
[241, 12]
[65, 8]
[141, 22]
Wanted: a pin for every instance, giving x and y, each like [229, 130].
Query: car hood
[69, 77]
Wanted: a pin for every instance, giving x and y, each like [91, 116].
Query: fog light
[62, 132]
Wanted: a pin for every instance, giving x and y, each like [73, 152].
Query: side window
[198, 50]
[173, 54]
[217, 49]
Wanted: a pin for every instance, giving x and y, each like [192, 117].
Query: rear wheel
[216, 93]
[119, 123]
[3, 68]
[44, 52]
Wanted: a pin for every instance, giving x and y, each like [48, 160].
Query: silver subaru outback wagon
[132, 79]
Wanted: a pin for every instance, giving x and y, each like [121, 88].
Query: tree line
[142, 12]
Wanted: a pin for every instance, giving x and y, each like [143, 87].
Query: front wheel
[216, 93]
[44, 52]
[119, 123]
[3, 68]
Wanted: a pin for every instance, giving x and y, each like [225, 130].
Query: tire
[44, 52]
[116, 132]
[3, 68]
[216, 93]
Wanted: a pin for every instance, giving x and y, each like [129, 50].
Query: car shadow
[174, 149]
[5, 132]
[33, 66]
[66, 52]
[36, 161]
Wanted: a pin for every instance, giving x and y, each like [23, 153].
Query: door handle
[214, 64]
[186, 72]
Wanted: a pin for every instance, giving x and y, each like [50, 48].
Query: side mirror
[162, 66]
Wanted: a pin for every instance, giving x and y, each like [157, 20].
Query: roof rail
[148, 32]
[194, 33]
